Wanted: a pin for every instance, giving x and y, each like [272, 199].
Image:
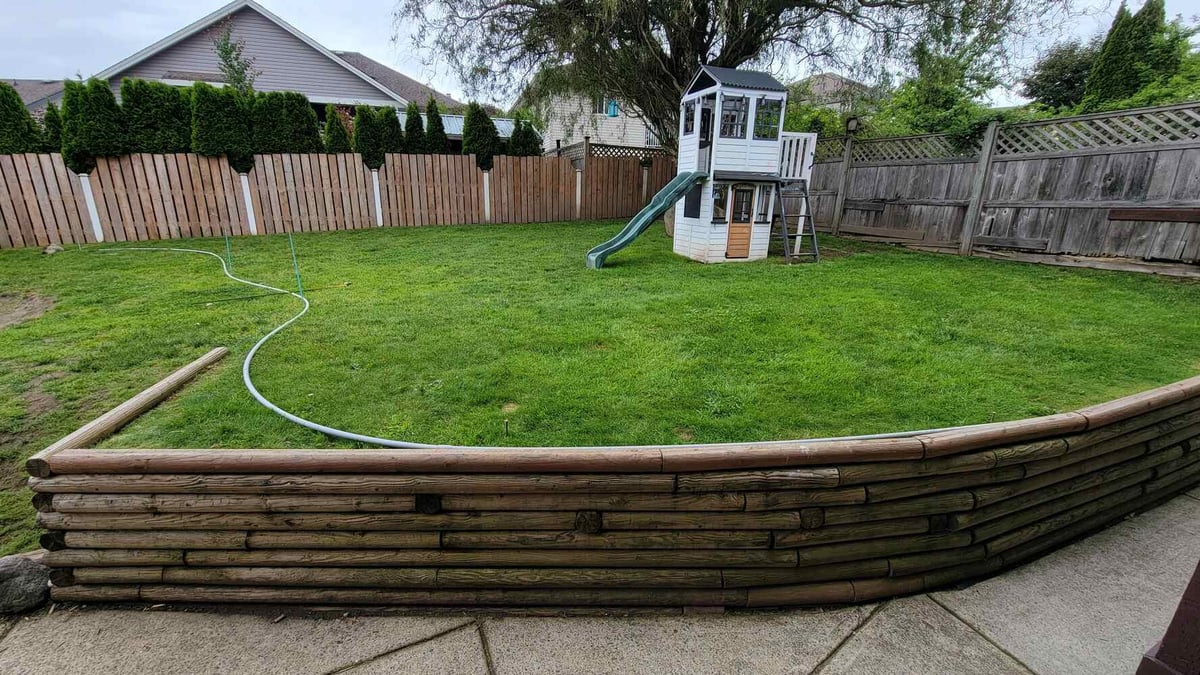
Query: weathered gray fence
[1123, 184]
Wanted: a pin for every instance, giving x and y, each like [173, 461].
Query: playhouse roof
[744, 79]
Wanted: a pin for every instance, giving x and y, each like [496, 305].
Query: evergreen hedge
[92, 124]
[1128, 56]
[158, 117]
[435, 131]
[52, 130]
[524, 141]
[221, 125]
[414, 129]
[479, 136]
[336, 138]
[390, 130]
[368, 136]
[18, 130]
[284, 121]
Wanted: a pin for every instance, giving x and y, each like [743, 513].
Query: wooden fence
[1123, 184]
[738, 525]
[157, 197]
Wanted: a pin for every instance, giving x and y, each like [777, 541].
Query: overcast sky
[54, 39]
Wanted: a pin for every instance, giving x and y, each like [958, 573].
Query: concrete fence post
[487, 196]
[378, 204]
[251, 221]
[966, 238]
[645, 182]
[578, 193]
[90, 200]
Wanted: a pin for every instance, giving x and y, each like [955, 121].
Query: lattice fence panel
[1154, 126]
[911, 148]
[829, 149]
[603, 150]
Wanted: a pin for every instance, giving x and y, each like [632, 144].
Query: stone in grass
[52, 249]
[24, 584]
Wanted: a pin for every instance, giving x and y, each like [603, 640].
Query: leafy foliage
[1058, 78]
[93, 124]
[392, 133]
[335, 136]
[479, 136]
[158, 117]
[52, 129]
[435, 132]
[414, 128]
[368, 136]
[524, 141]
[816, 119]
[237, 69]
[221, 125]
[18, 130]
[284, 121]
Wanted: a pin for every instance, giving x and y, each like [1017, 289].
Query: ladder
[800, 244]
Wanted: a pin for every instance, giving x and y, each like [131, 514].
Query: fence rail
[145, 197]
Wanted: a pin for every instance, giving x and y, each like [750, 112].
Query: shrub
[158, 117]
[435, 132]
[336, 138]
[92, 124]
[52, 130]
[368, 139]
[284, 121]
[524, 141]
[479, 136]
[18, 130]
[221, 125]
[414, 129]
[390, 130]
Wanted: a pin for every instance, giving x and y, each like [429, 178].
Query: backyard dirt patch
[38, 401]
[15, 309]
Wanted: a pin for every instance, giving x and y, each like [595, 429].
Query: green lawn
[445, 333]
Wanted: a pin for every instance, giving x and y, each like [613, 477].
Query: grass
[445, 333]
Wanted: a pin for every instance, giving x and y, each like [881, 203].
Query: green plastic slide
[662, 201]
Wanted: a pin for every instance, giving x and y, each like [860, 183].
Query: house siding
[287, 63]
[569, 119]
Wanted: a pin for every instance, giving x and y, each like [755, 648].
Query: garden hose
[393, 443]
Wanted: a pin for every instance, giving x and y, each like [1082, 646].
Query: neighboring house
[829, 90]
[32, 91]
[453, 126]
[567, 119]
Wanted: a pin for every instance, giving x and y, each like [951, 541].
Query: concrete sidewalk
[1091, 608]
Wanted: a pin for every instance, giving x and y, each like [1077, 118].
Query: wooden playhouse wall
[737, 525]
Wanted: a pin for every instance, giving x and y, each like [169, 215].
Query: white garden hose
[393, 443]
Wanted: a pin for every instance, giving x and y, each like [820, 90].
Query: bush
[479, 136]
[221, 125]
[435, 132]
[158, 117]
[524, 141]
[813, 119]
[284, 121]
[390, 130]
[368, 139]
[414, 129]
[18, 130]
[92, 124]
[52, 130]
[336, 138]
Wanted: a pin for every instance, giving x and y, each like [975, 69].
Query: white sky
[54, 39]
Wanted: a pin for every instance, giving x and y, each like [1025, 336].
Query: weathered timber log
[885, 471]
[828, 593]
[787, 479]
[741, 578]
[913, 487]
[1183, 477]
[675, 520]
[164, 539]
[1140, 428]
[644, 539]
[851, 532]
[788, 453]
[714, 501]
[1034, 530]
[53, 541]
[107, 424]
[576, 578]
[873, 589]
[710, 558]
[878, 548]
[342, 540]
[118, 575]
[94, 593]
[952, 575]
[1138, 404]
[796, 499]
[1028, 452]
[180, 503]
[1001, 433]
[935, 504]
[1035, 510]
[917, 563]
[989, 494]
[1176, 437]
[532, 520]
[86, 557]
[62, 576]
[352, 483]
[588, 522]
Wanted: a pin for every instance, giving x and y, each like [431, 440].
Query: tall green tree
[221, 125]
[524, 141]
[284, 121]
[414, 129]
[479, 136]
[158, 117]
[237, 69]
[1057, 80]
[645, 52]
[435, 131]
[391, 131]
[19, 132]
[93, 124]
[52, 129]
[335, 136]
[368, 136]
[1124, 64]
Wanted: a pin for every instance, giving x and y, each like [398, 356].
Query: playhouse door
[740, 217]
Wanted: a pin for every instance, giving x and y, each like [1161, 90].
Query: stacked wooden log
[737, 525]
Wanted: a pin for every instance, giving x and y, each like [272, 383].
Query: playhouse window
[741, 204]
[689, 118]
[764, 200]
[766, 119]
[720, 193]
[733, 117]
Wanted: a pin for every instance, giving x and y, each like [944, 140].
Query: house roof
[396, 81]
[744, 79]
[453, 124]
[35, 90]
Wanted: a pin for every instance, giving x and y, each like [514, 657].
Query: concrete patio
[1093, 607]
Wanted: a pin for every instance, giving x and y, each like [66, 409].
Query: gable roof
[32, 91]
[743, 79]
[396, 81]
[216, 16]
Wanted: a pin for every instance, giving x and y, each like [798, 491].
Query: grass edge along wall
[780, 523]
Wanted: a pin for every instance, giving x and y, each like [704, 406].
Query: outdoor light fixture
[851, 124]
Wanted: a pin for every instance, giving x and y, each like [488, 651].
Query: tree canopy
[479, 136]
[18, 131]
[334, 135]
[414, 128]
[435, 131]
[1057, 79]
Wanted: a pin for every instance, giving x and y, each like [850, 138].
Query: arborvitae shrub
[392, 134]
[18, 130]
[284, 121]
[368, 139]
[336, 138]
[435, 131]
[221, 125]
[414, 128]
[158, 117]
[524, 141]
[52, 130]
[479, 136]
[93, 125]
